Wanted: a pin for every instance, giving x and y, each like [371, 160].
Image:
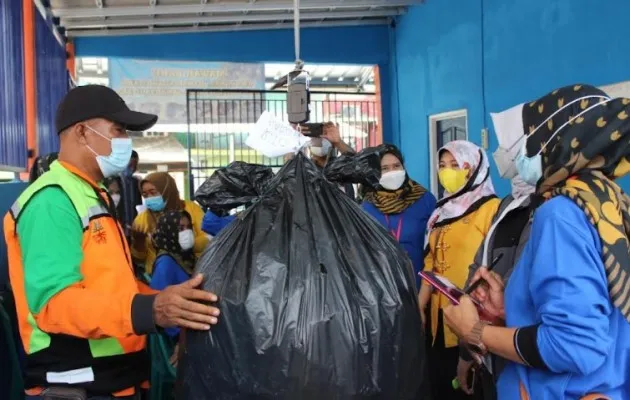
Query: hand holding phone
[312, 129]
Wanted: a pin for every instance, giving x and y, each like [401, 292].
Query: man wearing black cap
[82, 314]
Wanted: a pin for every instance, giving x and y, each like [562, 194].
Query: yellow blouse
[142, 224]
[452, 250]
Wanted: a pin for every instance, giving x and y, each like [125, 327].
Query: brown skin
[149, 190]
[178, 305]
[448, 161]
[184, 223]
[391, 163]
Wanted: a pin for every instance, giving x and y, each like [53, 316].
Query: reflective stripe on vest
[87, 208]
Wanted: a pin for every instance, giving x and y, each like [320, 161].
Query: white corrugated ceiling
[124, 17]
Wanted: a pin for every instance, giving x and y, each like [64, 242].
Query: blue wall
[529, 47]
[12, 106]
[52, 84]
[342, 45]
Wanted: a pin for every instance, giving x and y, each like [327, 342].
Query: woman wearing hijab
[160, 194]
[173, 240]
[504, 243]
[401, 205]
[455, 231]
[566, 307]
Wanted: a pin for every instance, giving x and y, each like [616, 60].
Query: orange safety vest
[54, 339]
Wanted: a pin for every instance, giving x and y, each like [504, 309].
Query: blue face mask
[529, 168]
[155, 203]
[118, 160]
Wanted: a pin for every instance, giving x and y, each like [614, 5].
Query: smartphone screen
[444, 286]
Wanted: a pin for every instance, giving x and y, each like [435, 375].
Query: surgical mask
[186, 239]
[118, 160]
[505, 162]
[506, 158]
[530, 168]
[155, 203]
[452, 180]
[116, 199]
[393, 180]
[323, 150]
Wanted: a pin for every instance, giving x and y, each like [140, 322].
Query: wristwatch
[474, 338]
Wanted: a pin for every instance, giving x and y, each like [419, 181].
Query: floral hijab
[581, 161]
[475, 192]
[166, 239]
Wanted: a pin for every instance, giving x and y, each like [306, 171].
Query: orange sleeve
[146, 289]
[86, 313]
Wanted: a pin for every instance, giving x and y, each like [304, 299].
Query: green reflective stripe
[105, 347]
[39, 339]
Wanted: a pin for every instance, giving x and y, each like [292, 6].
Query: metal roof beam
[231, 7]
[221, 28]
[218, 19]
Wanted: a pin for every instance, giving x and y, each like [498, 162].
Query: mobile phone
[446, 287]
[313, 129]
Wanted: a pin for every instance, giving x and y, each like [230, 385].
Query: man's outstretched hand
[185, 305]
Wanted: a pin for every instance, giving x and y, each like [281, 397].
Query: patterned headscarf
[581, 161]
[474, 194]
[166, 239]
[395, 202]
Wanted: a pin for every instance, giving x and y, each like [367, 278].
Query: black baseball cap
[97, 101]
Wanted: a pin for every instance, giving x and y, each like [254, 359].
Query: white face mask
[186, 239]
[393, 180]
[323, 150]
[116, 199]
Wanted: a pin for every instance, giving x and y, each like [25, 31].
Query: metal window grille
[219, 122]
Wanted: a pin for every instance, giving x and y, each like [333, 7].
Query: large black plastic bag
[317, 302]
[363, 167]
[237, 184]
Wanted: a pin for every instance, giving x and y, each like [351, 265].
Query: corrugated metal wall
[52, 84]
[13, 151]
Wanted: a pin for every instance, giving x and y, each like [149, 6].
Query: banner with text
[159, 87]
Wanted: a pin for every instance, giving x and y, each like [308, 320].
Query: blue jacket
[167, 272]
[412, 224]
[560, 283]
[212, 224]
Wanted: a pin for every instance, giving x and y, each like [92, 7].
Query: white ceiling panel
[126, 17]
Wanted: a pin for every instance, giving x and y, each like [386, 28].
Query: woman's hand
[461, 318]
[490, 292]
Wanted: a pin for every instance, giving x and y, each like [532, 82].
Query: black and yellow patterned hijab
[581, 162]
